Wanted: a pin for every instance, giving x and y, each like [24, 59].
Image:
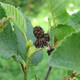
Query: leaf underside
[21, 43]
[29, 30]
[36, 58]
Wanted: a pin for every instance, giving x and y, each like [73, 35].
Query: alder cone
[40, 43]
[47, 37]
[38, 32]
[36, 43]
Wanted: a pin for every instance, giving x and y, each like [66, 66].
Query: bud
[28, 44]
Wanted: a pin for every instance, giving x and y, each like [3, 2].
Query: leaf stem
[64, 77]
[52, 13]
[37, 50]
[22, 67]
[25, 75]
[25, 38]
[26, 68]
[49, 28]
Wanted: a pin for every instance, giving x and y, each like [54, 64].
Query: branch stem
[26, 68]
[25, 75]
[49, 70]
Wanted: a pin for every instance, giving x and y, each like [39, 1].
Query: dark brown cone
[40, 43]
[38, 32]
[36, 43]
[47, 37]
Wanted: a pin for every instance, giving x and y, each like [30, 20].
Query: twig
[72, 75]
[49, 70]
[22, 67]
[49, 50]
[64, 77]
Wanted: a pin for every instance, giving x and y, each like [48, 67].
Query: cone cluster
[41, 38]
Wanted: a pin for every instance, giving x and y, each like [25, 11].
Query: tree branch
[49, 70]
[22, 67]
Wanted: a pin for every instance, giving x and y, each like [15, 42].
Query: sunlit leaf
[67, 54]
[58, 11]
[62, 31]
[18, 20]
[75, 20]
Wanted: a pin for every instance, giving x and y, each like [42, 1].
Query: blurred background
[38, 12]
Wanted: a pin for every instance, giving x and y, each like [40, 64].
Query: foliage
[66, 55]
[75, 20]
[63, 30]
[58, 9]
[17, 39]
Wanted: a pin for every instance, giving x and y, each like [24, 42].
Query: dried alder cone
[41, 37]
[47, 37]
[40, 43]
[38, 32]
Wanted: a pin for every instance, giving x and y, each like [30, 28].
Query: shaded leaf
[8, 42]
[2, 12]
[21, 43]
[29, 30]
[36, 58]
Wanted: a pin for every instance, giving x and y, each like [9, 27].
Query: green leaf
[21, 43]
[18, 20]
[31, 51]
[75, 20]
[29, 30]
[58, 11]
[61, 31]
[36, 58]
[2, 12]
[67, 54]
[28, 44]
[51, 34]
[4, 22]
[18, 58]
[8, 42]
